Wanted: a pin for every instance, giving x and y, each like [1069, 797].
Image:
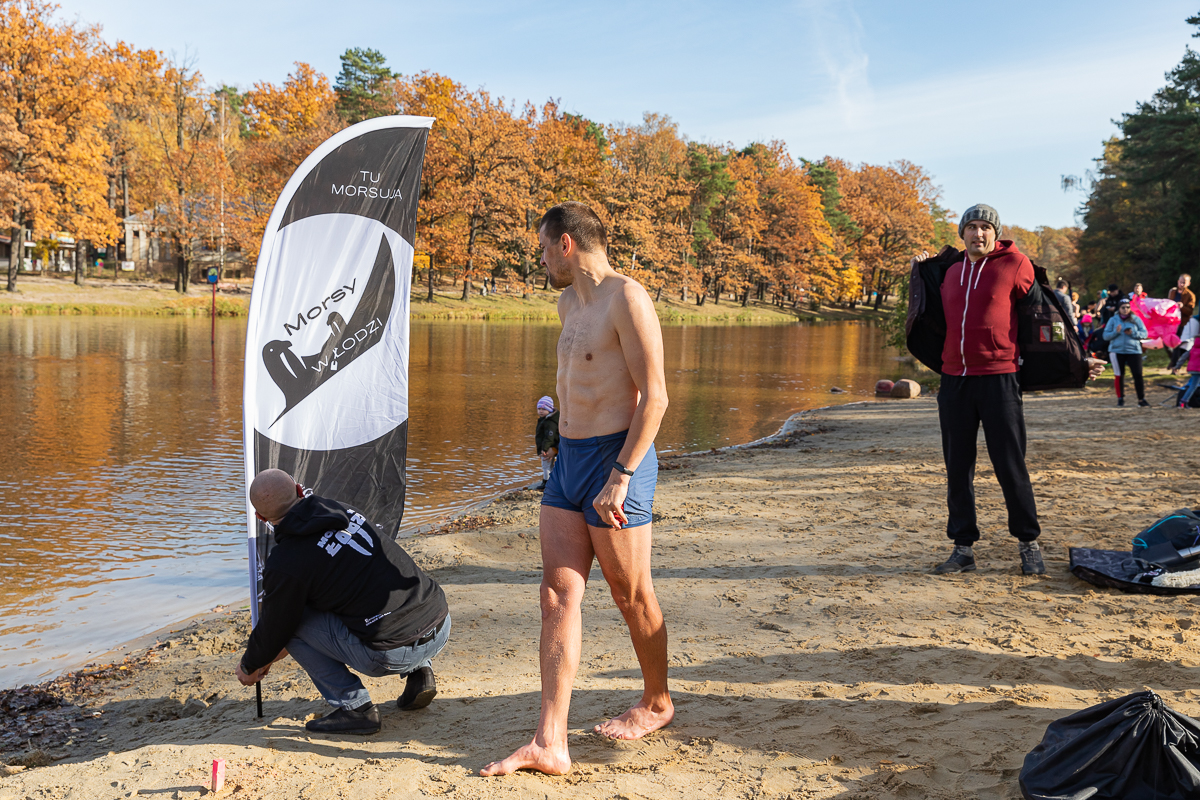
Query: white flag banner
[326, 373]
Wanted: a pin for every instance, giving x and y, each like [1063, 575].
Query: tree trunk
[469, 269]
[430, 295]
[716, 292]
[81, 248]
[181, 269]
[658, 294]
[683, 294]
[745, 297]
[878, 300]
[16, 259]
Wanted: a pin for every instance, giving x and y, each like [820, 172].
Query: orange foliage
[53, 93]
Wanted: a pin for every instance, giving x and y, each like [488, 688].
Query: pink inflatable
[1161, 317]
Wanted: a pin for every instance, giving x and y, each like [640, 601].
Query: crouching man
[338, 595]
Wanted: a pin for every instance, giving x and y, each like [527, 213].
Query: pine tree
[363, 86]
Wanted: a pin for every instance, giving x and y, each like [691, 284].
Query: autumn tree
[181, 163]
[53, 156]
[892, 208]
[283, 125]
[487, 149]
[439, 218]
[646, 195]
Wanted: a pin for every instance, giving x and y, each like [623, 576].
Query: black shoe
[961, 560]
[1120, 402]
[419, 691]
[343, 720]
[541, 487]
[1143, 403]
[1031, 559]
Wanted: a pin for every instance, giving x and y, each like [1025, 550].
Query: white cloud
[1062, 98]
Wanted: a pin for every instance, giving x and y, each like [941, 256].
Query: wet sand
[812, 656]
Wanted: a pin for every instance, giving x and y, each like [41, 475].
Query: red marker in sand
[218, 774]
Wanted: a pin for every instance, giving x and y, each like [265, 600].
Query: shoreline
[456, 522]
[811, 653]
[52, 296]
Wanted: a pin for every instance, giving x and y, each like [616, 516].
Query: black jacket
[1052, 357]
[546, 435]
[327, 557]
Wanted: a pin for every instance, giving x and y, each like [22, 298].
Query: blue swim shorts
[582, 469]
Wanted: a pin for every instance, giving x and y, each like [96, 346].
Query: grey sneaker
[1031, 559]
[961, 560]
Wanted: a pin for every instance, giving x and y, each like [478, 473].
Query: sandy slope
[812, 656]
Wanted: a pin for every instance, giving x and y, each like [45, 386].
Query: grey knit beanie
[979, 211]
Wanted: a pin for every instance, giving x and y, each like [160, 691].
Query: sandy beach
[812, 656]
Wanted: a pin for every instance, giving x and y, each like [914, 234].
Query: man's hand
[252, 678]
[1095, 367]
[610, 503]
[917, 259]
[256, 676]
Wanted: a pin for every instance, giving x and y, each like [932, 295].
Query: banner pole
[258, 697]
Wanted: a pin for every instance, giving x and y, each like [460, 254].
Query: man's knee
[632, 596]
[561, 595]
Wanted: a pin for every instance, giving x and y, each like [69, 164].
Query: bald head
[273, 493]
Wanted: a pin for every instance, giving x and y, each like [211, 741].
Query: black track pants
[995, 400]
[1134, 361]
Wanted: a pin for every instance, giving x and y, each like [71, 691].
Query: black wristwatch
[621, 468]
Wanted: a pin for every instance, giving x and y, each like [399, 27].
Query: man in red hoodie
[980, 385]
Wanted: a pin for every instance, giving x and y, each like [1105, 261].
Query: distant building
[55, 255]
[153, 256]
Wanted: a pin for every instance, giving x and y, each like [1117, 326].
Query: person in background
[1137, 291]
[1085, 326]
[1112, 299]
[1063, 290]
[546, 437]
[1075, 309]
[1124, 334]
[1190, 332]
[1183, 295]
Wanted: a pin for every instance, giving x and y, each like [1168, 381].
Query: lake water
[122, 479]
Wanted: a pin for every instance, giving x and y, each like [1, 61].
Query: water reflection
[123, 472]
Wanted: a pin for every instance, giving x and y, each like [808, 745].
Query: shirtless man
[612, 396]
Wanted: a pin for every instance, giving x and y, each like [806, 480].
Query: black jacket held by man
[328, 557]
[1051, 355]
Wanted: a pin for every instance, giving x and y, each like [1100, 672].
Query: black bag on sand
[1131, 748]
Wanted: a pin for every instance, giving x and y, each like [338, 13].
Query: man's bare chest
[587, 337]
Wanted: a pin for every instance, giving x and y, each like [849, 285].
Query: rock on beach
[906, 388]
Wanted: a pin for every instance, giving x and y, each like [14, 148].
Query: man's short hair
[1185, 275]
[1061, 284]
[577, 221]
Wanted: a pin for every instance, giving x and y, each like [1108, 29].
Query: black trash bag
[1131, 748]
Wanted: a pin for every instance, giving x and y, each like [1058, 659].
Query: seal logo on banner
[297, 376]
[334, 353]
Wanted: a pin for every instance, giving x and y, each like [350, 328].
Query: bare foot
[636, 722]
[531, 756]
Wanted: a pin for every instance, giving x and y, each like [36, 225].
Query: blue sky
[997, 101]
